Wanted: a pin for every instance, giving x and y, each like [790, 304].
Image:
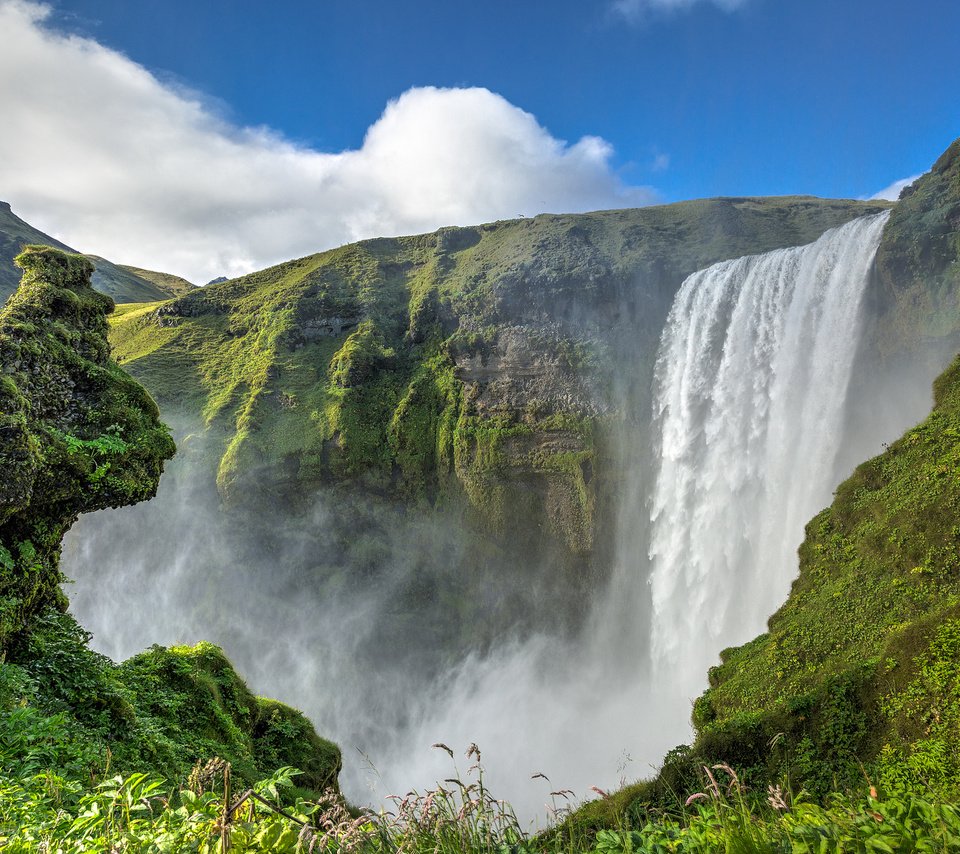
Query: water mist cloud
[102, 154]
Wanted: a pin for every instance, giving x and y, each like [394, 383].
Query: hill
[474, 363]
[173, 286]
[121, 284]
[80, 435]
[855, 682]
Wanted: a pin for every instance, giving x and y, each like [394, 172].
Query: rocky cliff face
[855, 678]
[478, 367]
[77, 433]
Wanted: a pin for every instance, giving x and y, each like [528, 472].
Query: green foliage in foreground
[68, 711]
[140, 813]
[859, 665]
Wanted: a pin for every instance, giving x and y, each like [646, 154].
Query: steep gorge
[433, 456]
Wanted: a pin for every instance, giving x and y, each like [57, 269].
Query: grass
[40, 812]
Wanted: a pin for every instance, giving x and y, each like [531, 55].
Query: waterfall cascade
[749, 391]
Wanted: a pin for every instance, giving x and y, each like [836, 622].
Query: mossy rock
[78, 433]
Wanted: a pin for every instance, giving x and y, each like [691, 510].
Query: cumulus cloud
[637, 10]
[100, 153]
[892, 193]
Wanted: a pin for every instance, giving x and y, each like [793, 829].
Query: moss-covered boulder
[76, 433]
[164, 710]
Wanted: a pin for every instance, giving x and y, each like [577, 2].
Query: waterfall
[748, 403]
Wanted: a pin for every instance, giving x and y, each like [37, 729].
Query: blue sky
[690, 98]
[777, 96]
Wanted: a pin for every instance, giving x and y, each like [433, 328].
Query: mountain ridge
[120, 283]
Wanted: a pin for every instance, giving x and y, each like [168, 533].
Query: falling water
[749, 392]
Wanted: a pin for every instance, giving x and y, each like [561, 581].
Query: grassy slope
[859, 662]
[173, 286]
[381, 401]
[856, 677]
[119, 284]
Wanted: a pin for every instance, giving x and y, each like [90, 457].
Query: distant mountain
[175, 286]
[122, 284]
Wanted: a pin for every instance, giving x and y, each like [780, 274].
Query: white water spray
[749, 391]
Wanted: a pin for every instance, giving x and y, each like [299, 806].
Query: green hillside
[472, 365]
[173, 286]
[121, 284]
[855, 683]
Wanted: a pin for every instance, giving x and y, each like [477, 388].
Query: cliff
[855, 681]
[476, 369]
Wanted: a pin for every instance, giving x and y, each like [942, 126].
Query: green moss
[856, 669]
[161, 711]
[423, 426]
[328, 368]
[78, 434]
[916, 293]
[283, 737]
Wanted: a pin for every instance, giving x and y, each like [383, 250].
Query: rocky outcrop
[77, 433]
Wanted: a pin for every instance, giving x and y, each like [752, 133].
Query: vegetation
[173, 286]
[393, 364]
[456, 368]
[211, 814]
[78, 434]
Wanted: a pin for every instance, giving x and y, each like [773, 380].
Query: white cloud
[638, 10]
[892, 193]
[98, 152]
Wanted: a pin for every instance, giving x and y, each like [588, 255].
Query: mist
[392, 631]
